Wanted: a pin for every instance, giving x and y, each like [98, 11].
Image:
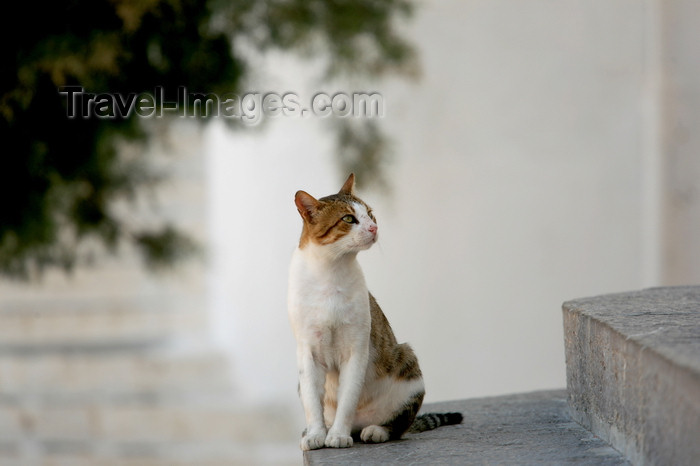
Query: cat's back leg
[397, 425]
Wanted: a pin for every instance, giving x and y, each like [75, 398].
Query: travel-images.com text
[250, 108]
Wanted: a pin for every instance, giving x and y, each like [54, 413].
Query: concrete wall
[679, 36]
[526, 170]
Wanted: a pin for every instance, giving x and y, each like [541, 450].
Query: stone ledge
[45, 325]
[91, 374]
[532, 428]
[190, 433]
[633, 371]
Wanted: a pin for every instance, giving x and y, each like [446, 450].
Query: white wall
[521, 179]
[680, 141]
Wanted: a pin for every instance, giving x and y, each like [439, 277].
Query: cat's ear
[349, 186]
[306, 205]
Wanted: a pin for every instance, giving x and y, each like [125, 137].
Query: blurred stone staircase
[113, 365]
[88, 381]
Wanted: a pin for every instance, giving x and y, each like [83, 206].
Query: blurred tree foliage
[60, 176]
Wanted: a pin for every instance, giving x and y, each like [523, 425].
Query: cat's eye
[349, 219]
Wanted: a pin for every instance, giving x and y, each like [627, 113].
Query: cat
[355, 380]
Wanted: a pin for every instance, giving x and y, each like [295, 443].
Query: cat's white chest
[327, 305]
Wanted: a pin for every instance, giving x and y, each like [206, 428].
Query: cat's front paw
[313, 440]
[335, 440]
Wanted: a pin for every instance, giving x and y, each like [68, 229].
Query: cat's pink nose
[372, 228]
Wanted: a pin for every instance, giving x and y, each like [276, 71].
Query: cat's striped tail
[430, 421]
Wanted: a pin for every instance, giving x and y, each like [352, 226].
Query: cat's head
[340, 224]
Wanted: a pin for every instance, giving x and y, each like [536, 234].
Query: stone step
[524, 429]
[633, 371]
[120, 374]
[57, 324]
[167, 455]
[189, 432]
[144, 422]
[127, 406]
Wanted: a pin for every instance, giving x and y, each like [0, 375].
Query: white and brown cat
[354, 378]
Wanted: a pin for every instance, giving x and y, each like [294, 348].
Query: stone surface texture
[524, 429]
[633, 372]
